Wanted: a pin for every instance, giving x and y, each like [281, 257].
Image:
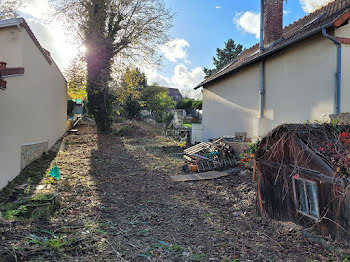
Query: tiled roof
[174, 92]
[11, 71]
[8, 71]
[333, 14]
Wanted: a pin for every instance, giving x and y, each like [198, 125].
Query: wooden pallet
[200, 147]
[204, 166]
[197, 148]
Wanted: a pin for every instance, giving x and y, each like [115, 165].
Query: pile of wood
[207, 156]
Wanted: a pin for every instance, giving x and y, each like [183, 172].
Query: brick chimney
[273, 20]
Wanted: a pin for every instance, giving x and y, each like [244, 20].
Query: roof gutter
[268, 53]
[11, 22]
[338, 73]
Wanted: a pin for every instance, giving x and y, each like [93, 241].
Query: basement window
[305, 194]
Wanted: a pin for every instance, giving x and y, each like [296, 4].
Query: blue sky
[200, 26]
[206, 27]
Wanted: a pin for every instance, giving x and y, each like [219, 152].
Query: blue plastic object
[55, 173]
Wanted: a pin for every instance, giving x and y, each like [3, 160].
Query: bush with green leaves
[157, 101]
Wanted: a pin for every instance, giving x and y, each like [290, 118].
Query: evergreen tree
[224, 56]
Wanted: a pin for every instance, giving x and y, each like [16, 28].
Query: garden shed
[303, 173]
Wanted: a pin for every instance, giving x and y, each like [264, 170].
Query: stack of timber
[207, 156]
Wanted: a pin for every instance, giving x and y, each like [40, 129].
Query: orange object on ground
[254, 170]
[193, 167]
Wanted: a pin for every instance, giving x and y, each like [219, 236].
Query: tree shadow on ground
[118, 204]
[147, 216]
[30, 177]
[139, 209]
[24, 185]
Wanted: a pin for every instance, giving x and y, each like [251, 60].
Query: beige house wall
[33, 106]
[230, 105]
[11, 46]
[300, 84]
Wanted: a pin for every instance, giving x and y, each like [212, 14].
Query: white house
[33, 99]
[297, 73]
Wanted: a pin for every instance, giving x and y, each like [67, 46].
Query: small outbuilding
[303, 175]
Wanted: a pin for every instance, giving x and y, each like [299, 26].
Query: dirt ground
[117, 203]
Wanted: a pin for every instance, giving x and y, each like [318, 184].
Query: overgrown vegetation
[158, 102]
[24, 207]
[128, 88]
[189, 104]
[51, 242]
[249, 154]
[76, 75]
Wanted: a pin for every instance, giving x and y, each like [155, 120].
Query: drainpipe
[339, 64]
[262, 65]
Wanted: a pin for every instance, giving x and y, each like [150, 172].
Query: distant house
[298, 73]
[175, 94]
[33, 99]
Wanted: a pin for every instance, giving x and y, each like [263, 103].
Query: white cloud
[175, 49]
[36, 8]
[248, 22]
[53, 38]
[311, 5]
[218, 7]
[51, 35]
[183, 79]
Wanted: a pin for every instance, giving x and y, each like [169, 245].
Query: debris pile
[207, 156]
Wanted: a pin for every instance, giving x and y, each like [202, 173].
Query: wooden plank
[188, 158]
[206, 175]
[196, 148]
[200, 176]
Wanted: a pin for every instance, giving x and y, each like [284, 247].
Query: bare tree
[9, 8]
[128, 29]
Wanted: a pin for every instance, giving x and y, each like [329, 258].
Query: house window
[305, 194]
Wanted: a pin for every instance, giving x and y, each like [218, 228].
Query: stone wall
[32, 152]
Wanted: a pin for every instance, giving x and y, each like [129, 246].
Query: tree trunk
[99, 105]
[98, 58]
[99, 74]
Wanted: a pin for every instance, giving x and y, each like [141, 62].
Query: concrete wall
[231, 104]
[300, 86]
[33, 106]
[196, 133]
